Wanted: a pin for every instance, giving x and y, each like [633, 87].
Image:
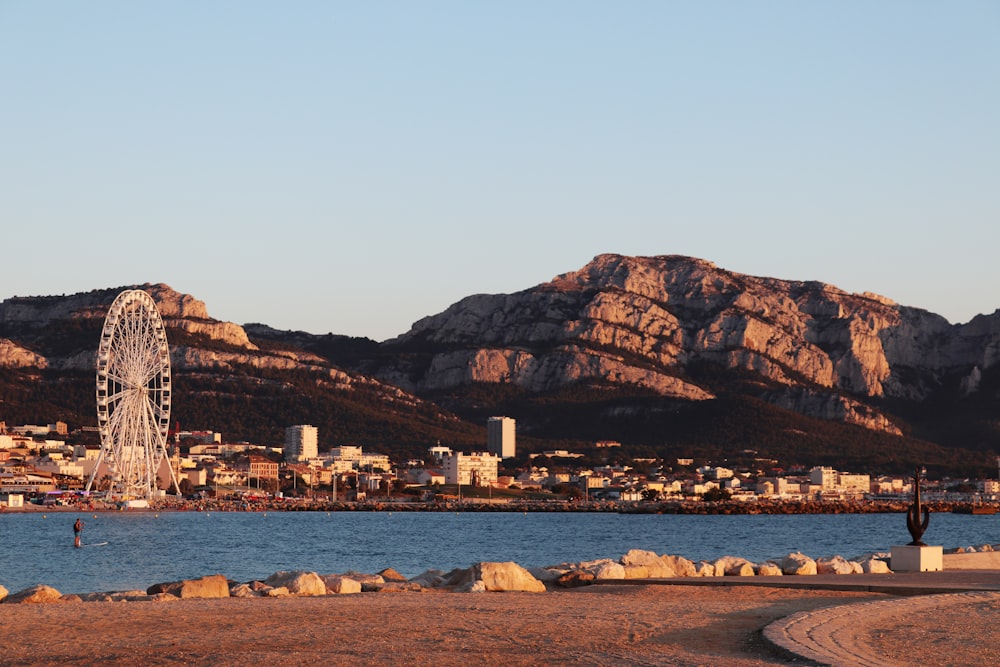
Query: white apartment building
[346, 453]
[501, 436]
[824, 478]
[476, 469]
[301, 443]
[59, 466]
[373, 461]
[773, 486]
[439, 451]
[854, 482]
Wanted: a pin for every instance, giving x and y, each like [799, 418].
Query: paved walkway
[867, 634]
[937, 618]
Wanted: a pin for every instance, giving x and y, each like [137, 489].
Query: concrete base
[916, 559]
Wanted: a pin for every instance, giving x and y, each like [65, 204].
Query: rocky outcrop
[643, 320]
[42, 310]
[13, 355]
[651, 323]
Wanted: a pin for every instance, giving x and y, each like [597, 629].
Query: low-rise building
[475, 469]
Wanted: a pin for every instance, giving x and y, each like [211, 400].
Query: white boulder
[769, 569]
[798, 564]
[298, 583]
[734, 566]
[873, 565]
[498, 577]
[706, 569]
[833, 565]
[337, 585]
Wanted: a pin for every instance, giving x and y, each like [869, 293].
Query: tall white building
[301, 443]
[500, 436]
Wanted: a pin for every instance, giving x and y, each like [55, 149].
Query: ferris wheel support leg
[173, 478]
[93, 473]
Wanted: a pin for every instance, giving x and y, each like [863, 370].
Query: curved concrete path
[951, 617]
[844, 635]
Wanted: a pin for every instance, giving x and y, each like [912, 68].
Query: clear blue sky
[350, 167]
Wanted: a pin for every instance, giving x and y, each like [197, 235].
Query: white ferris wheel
[133, 397]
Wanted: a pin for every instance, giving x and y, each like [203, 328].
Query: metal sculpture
[914, 523]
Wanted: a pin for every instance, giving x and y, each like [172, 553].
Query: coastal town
[40, 465]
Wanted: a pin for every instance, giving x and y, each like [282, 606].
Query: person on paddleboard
[77, 529]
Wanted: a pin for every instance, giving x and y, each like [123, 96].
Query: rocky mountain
[222, 380]
[669, 355]
[645, 321]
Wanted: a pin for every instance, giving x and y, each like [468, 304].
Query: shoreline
[663, 507]
[608, 625]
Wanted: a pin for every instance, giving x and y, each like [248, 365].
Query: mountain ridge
[654, 336]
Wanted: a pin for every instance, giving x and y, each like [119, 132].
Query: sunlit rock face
[13, 355]
[198, 343]
[652, 323]
[644, 320]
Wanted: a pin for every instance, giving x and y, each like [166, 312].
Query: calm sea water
[147, 548]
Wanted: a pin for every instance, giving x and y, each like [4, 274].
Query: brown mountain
[669, 355]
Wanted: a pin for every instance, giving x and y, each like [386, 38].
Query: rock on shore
[480, 577]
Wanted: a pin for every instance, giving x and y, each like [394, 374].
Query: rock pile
[479, 578]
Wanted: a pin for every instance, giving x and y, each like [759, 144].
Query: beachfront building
[823, 477]
[260, 467]
[476, 469]
[501, 436]
[59, 466]
[301, 443]
[854, 483]
[26, 481]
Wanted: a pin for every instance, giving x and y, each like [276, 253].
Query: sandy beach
[599, 625]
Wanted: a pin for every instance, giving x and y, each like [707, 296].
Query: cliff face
[180, 311]
[211, 346]
[654, 323]
[645, 320]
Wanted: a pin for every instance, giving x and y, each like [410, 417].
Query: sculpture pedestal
[916, 559]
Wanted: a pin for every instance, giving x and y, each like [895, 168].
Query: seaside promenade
[951, 617]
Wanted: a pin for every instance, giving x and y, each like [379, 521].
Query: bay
[149, 547]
